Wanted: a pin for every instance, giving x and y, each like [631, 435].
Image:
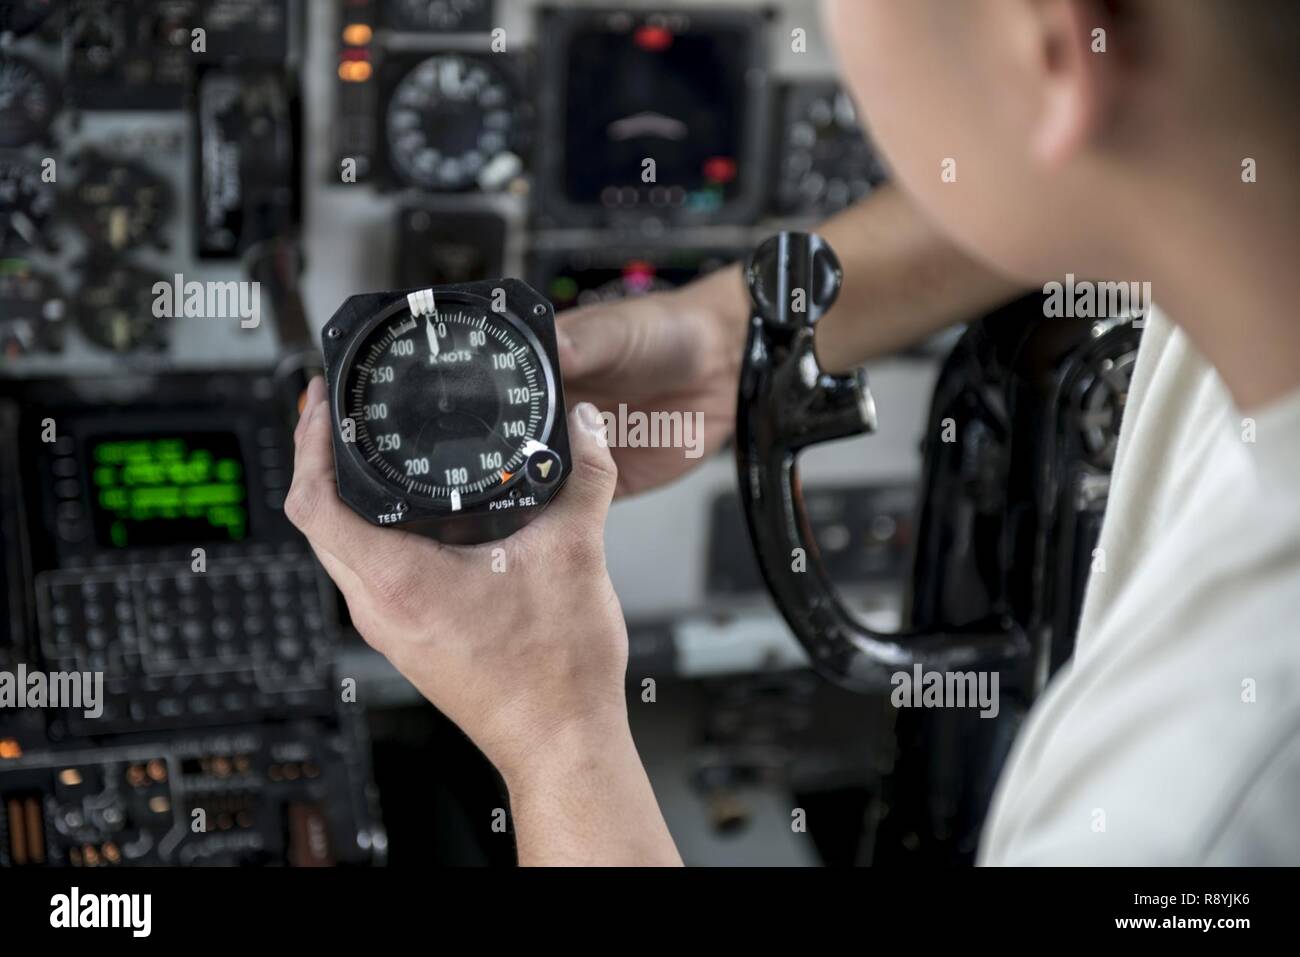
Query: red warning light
[653, 39]
[638, 275]
[720, 169]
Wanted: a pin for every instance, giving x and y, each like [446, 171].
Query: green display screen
[161, 490]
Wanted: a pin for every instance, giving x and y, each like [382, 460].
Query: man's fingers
[633, 349]
[313, 504]
[584, 501]
[594, 341]
[313, 453]
[313, 397]
[387, 562]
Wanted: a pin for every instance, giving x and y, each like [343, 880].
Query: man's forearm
[903, 282]
[585, 800]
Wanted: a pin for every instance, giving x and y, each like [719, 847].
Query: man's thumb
[589, 489]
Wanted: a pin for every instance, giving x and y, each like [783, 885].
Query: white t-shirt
[1173, 735]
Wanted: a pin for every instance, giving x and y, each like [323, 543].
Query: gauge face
[26, 203]
[26, 102]
[119, 205]
[448, 406]
[438, 15]
[826, 163]
[115, 308]
[31, 310]
[448, 119]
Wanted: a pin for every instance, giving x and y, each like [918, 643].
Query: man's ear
[1079, 64]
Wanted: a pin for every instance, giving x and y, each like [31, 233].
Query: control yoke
[787, 403]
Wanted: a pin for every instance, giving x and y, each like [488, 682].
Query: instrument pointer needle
[433, 337]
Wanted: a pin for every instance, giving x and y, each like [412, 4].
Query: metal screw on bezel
[539, 310]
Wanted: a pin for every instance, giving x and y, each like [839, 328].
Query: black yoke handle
[786, 403]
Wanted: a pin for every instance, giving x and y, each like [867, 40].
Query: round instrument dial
[449, 405]
[115, 307]
[26, 102]
[26, 203]
[827, 162]
[31, 310]
[452, 124]
[120, 205]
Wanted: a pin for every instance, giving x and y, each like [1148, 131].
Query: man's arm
[521, 643]
[583, 798]
[903, 282]
[547, 703]
[681, 350]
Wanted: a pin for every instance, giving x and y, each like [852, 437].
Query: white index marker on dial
[421, 303]
[449, 75]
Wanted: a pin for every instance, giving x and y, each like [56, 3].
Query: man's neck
[1229, 275]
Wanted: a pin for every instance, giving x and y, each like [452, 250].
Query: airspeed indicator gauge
[447, 408]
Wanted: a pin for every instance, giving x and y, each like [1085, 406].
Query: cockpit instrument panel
[587, 277]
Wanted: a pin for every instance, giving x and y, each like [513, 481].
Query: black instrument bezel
[376, 498]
